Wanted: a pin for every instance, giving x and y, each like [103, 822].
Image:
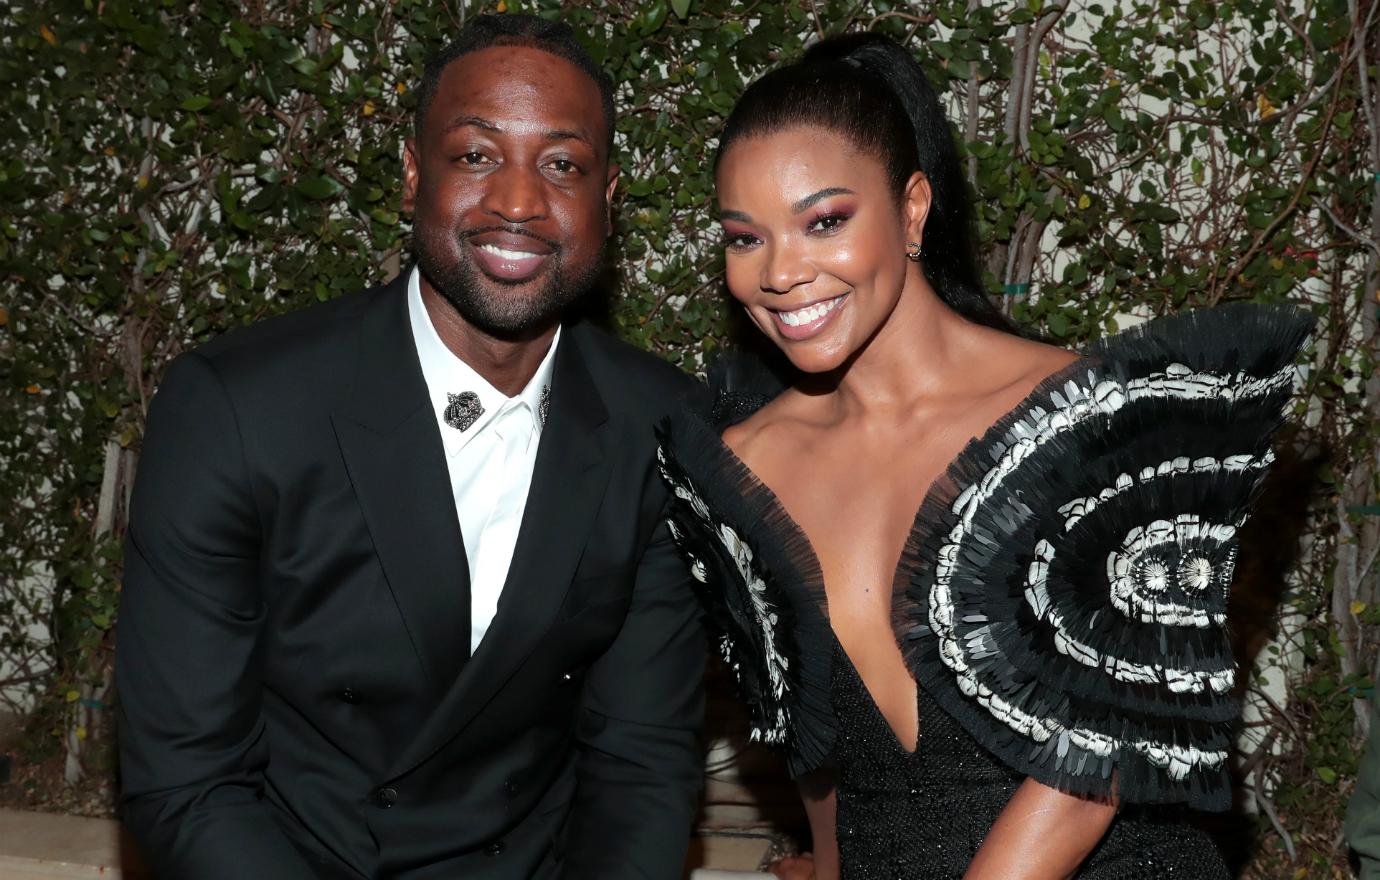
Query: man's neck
[506, 364]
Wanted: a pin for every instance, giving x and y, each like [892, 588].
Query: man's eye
[473, 157]
[563, 166]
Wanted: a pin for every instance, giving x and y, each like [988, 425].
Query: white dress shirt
[490, 462]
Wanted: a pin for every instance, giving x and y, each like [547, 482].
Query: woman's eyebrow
[813, 198]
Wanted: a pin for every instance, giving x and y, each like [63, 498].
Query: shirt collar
[447, 374]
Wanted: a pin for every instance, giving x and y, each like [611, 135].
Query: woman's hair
[871, 91]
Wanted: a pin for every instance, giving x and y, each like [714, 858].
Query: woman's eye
[827, 223]
[739, 241]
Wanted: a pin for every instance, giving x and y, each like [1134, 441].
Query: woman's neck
[924, 349]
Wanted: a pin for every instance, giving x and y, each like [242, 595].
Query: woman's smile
[815, 241]
[807, 320]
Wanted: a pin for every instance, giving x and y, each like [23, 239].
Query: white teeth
[809, 314]
[505, 253]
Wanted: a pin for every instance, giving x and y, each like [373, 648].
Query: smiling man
[399, 601]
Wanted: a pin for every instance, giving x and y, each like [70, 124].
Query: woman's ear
[915, 206]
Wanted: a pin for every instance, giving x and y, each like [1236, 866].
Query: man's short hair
[513, 29]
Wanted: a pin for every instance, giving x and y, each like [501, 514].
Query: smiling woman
[935, 522]
[899, 123]
[827, 259]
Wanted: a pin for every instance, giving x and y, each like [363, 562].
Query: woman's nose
[785, 269]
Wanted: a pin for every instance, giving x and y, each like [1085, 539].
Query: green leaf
[681, 8]
[1327, 774]
[319, 187]
[653, 17]
[195, 103]
[1059, 325]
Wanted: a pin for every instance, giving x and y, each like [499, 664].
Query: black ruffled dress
[1061, 601]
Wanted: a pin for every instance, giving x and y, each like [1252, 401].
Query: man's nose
[516, 194]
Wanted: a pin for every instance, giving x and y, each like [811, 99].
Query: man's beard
[492, 306]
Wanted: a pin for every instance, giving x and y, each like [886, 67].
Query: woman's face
[815, 241]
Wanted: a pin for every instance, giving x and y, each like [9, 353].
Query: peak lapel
[392, 450]
[568, 481]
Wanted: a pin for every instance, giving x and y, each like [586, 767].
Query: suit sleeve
[640, 767]
[192, 740]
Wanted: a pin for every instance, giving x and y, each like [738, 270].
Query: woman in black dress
[972, 585]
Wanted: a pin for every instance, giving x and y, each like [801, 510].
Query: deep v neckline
[812, 564]
[909, 559]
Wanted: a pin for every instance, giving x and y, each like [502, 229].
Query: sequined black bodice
[923, 815]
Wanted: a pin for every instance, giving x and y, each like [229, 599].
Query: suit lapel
[392, 450]
[568, 481]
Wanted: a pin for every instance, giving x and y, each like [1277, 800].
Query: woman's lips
[797, 324]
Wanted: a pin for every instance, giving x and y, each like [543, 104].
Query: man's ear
[411, 164]
[609, 188]
[915, 206]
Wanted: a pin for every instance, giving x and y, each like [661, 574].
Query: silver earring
[913, 251]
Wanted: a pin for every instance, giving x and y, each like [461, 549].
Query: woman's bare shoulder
[768, 427]
[1046, 359]
[1028, 361]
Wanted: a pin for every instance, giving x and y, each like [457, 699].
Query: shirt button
[494, 849]
[509, 788]
[384, 798]
[567, 678]
[348, 695]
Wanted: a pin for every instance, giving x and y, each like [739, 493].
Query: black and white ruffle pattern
[1070, 571]
[760, 584]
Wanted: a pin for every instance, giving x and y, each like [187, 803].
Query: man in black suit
[399, 601]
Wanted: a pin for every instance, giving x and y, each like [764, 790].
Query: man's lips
[511, 240]
[509, 256]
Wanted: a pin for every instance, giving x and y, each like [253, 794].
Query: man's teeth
[505, 253]
[809, 314]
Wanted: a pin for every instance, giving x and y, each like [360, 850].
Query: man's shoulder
[299, 329]
[307, 339]
[624, 371]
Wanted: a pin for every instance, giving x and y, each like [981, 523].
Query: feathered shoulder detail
[1069, 573]
[759, 579]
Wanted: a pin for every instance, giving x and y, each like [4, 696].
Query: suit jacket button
[349, 696]
[494, 849]
[383, 798]
[567, 678]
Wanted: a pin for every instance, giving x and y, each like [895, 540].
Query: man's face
[510, 183]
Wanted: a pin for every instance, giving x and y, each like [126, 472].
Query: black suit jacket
[296, 696]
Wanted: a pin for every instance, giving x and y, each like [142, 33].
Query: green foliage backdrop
[170, 169]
